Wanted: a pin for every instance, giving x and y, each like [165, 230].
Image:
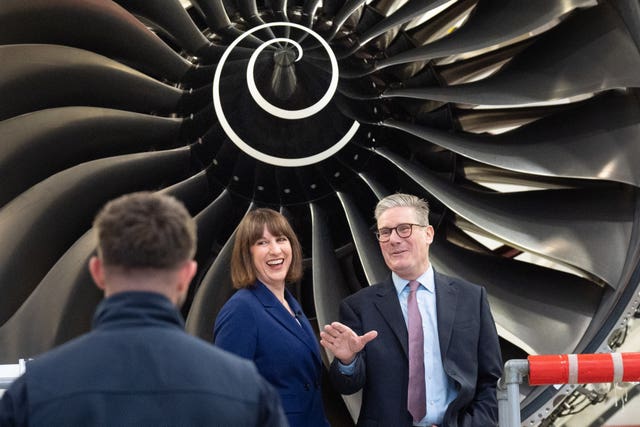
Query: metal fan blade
[38, 227]
[64, 301]
[63, 22]
[83, 133]
[249, 11]
[574, 216]
[171, 17]
[309, 10]
[600, 146]
[215, 287]
[349, 7]
[59, 308]
[557, 66]
[526, 298]
[327, 298]
[407, 12]
[366, 247]
[36, 77]
[492, 23]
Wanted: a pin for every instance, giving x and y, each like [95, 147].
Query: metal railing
[560, 369]
[8, 373]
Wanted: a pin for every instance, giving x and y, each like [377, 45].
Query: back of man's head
[145, 230]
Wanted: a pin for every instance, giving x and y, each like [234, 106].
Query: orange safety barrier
[554, 369]
[584, 368]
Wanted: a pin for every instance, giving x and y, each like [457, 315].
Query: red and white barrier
[561, 369]
[584, 368]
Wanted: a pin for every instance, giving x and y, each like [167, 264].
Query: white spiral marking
[279, 112]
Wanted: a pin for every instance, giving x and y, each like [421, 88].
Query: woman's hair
[250, 230]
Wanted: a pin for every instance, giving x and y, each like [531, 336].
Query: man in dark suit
[435, 368]
[138, 367]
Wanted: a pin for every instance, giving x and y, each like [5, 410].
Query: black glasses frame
[390, 229]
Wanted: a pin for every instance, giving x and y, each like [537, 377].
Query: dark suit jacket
[255, 325]
[469, 349]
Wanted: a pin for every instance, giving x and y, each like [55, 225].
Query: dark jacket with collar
[255, 325]
[469, 349]
[139, 368]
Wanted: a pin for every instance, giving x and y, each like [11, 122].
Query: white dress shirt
[440, 389]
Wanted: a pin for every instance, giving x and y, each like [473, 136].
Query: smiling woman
[265, 323]
[271, 260]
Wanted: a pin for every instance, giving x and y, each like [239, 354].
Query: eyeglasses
[402, 230]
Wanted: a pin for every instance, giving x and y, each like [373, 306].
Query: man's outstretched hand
[340, 340]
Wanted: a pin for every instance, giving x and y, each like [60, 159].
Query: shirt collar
[136, 308]
[426, 279]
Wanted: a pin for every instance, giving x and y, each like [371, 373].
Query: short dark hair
[145, 230]
[250, 229]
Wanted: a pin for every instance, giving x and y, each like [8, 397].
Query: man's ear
[430, 233]
[186, 273]
[97, 272]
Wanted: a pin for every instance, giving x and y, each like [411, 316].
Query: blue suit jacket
[469, 349]
[255, 325]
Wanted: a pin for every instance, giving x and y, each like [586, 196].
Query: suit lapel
[309, 337]
[275, 309]
[446, 301]
[388, 305]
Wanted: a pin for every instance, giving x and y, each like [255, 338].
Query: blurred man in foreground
[138, 367]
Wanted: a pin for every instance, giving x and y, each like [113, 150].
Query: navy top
[138, 367]
[255, 325]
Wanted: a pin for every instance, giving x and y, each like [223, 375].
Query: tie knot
[413, 285]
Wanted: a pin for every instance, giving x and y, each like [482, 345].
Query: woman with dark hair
[264, 322]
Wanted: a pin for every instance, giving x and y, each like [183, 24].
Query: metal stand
[8, 373]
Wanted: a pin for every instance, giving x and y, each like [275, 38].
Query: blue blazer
[469, 348]
[255, 325]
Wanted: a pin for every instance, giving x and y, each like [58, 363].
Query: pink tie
[417, 394]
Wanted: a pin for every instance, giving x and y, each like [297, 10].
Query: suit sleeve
[13, 406]
[484, 407]
[349, 384]
[235, 329]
